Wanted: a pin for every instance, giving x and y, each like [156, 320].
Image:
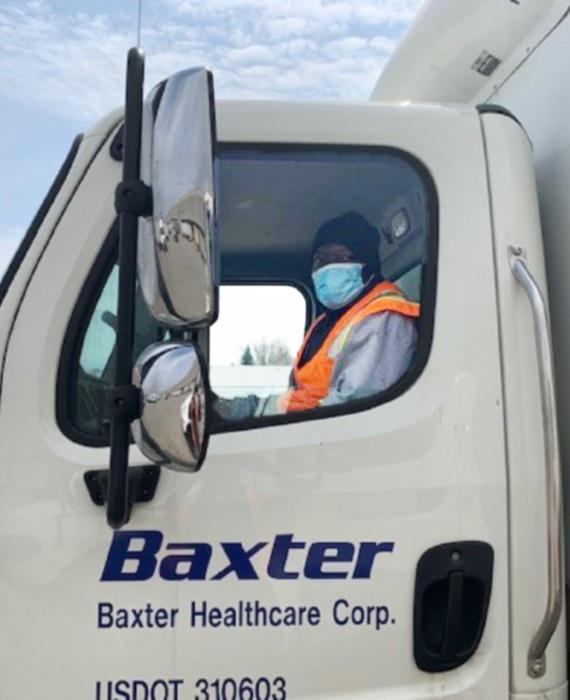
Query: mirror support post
[132, 199]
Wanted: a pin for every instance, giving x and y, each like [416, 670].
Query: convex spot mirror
[177, 259]
[173, 427]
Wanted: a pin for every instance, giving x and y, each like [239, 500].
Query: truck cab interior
[271, 201]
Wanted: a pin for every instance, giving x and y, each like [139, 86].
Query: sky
[62, 66]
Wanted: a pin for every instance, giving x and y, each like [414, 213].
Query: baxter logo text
[139, 555]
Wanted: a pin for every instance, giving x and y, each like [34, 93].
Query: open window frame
[426, 320]
[87, 300]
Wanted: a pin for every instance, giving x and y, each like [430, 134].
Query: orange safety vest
[312, 380]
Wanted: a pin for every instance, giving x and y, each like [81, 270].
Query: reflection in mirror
[176, 245]
[172, 429]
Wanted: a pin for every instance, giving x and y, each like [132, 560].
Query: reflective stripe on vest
[312, 381]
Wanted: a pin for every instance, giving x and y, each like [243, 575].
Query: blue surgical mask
[337, 284]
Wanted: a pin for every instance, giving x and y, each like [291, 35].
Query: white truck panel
[538, 94]
[556, 694]
[88, 149]
[436, 61]
[426, 468]
[516, 223]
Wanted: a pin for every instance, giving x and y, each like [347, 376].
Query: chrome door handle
[536, 655]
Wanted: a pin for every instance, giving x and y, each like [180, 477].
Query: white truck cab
[406, 544]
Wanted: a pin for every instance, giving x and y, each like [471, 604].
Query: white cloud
[10, 238]
[350, 44]
[69, 65]
[251, 55]
[73, 64]
[286, 27]
[383, 44]
[376, 11]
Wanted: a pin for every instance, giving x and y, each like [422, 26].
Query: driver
[362, 343]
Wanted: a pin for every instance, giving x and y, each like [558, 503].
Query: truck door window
[99, 341]
[354, 228]
[88, 360]
[357, 228]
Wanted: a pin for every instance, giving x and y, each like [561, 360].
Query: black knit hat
[356, 233]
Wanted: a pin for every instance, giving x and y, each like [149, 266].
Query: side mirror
[177, 259]
[173, 425]
[165, 204]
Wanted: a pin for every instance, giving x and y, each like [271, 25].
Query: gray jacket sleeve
[236, 409]
[377, 353]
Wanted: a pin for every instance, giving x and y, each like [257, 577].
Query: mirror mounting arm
[123, 399]
[123, 403]
[133, 197]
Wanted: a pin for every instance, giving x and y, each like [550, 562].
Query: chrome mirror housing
[173, 427]
[176, 253]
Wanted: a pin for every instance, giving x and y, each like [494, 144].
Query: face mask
[338, 284]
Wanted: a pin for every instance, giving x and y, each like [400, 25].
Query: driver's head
[345, 257]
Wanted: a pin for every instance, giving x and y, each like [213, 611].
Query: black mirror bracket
[142, 484]
[122, 403]
[132, 199]
[119, 487]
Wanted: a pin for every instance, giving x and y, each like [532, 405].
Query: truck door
[355, 550]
